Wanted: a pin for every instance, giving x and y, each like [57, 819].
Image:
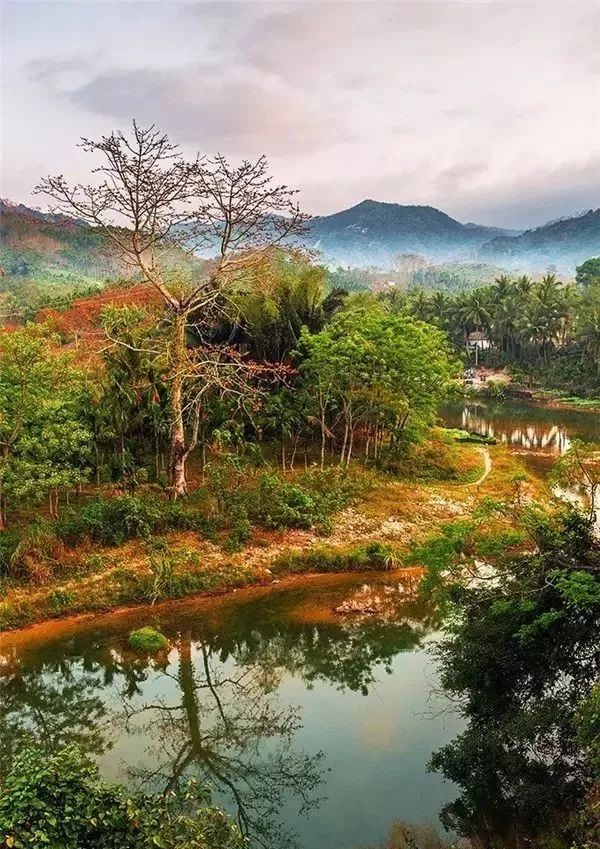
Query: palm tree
[524, 285]
[476, 311]
[506, 320]
[439, 304]
[590, 338]
[419, 306]
[542, 325]
[548, 290]
[502, 288]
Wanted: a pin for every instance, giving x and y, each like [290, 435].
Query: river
[538, 434]
[314, 728]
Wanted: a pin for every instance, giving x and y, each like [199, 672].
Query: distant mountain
[41, 253]
[565, 243]
[374, 233]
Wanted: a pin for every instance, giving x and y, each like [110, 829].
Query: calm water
[314, 728]
[539, 434]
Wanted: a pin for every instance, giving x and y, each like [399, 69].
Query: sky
[487, 110]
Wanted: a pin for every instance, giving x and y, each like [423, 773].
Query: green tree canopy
[43, 444]
[376, 370]
[520, 661]
[588, 272]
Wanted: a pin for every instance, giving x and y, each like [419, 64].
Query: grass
[375, 556]
[567, 400]
[379, 529]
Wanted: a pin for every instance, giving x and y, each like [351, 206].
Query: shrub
[57, 800]
[112, 521]
[36, 553]
[9, 541]
[305, 503]
[60, 600]
[147, 640]
[373, 556]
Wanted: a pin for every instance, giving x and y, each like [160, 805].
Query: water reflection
[546, 437]
[226, 702]
[223, 723]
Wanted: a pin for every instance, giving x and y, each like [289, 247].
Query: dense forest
[545, 331]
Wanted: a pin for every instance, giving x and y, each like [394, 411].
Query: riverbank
[376, 532]
[495, 383]
[554, 399]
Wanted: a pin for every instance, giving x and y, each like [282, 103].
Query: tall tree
[149, 200]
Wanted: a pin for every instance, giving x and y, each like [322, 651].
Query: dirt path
[487, 461]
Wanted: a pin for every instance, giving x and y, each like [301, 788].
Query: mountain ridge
[572, 239]
[370, 233]
[373, 232]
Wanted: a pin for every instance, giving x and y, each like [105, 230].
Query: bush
[112, 521]
[373, 556]
[60, 601]
[307, 503]
[432, 460]
[57, 800]
[9, 541]
[36, 553]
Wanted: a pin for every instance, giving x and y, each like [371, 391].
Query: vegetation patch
[147, 640]
[57, 799]
[374, 556]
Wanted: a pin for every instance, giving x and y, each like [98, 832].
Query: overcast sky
[487, 110]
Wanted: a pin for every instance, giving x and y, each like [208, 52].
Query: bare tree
[152, 204]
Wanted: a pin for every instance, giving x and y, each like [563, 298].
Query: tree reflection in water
[58, 701]
[212, 708]
[226, 727]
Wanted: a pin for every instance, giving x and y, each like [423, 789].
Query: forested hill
[44, 257]
[39, 249]
[565, 243]
[374, 233]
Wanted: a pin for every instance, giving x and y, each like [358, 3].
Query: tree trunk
[350, 445]
[323, 431]
[178, 456]
[294, 449]
[344, 443]
[53, 503]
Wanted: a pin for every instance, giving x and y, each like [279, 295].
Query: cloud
[58, 72]
[200, 104]
[469, 106]
[532, 197]
[454, 178]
